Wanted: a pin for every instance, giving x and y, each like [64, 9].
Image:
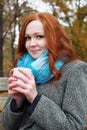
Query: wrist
[33, 104]
[33, 98]
[18, 103]
[16, 108]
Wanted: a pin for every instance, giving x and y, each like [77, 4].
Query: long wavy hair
[58, 42]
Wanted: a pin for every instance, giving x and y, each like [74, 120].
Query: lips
[34, 51]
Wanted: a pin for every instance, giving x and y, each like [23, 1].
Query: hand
[25, 84]
[19, 97]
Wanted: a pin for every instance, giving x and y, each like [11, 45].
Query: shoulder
[74, 71]
[74, 66]
[74, 78]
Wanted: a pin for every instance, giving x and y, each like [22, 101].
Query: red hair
[58, 42]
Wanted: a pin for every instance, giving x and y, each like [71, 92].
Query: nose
[32, 42]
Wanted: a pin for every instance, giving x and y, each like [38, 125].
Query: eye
[39, 37]
[27, 38]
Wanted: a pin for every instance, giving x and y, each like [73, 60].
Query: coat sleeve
[71, 116]
[9, 119]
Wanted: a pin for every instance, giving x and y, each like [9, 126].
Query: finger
[19, 75]
[23, 75]
[12, 84]
[27, 72]
[11, 72]
[12, 79]
[19, 83]
[20, 90]
[12, 92]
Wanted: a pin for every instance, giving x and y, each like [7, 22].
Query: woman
[51, 94]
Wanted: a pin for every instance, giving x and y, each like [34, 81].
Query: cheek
[26, 45]
[44, 46]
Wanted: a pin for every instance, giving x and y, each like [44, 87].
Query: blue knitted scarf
[39, 67]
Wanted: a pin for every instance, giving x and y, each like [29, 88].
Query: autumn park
[71, 13]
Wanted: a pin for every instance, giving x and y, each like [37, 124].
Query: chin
[35, 57]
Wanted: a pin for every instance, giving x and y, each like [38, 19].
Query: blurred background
[72, 14]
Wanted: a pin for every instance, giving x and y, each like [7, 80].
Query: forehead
[34, 26]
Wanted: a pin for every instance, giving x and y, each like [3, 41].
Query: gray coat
[62, 106]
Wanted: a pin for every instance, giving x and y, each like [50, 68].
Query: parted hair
[58, 42]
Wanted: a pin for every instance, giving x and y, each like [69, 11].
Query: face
[35, 40]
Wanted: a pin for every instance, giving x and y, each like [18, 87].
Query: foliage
[12, 13]
[74, 16]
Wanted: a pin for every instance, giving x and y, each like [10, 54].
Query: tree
[1, 38]
[13, 12]
[79, 32]
[73, 15]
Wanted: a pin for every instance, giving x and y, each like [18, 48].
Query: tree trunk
[1, 39]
